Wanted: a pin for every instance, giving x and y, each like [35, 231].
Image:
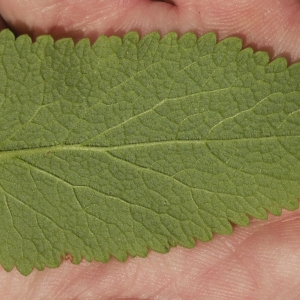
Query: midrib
[5, 154]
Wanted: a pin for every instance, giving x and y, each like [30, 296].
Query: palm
[257, 262]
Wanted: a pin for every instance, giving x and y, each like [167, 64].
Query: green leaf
[130, 144]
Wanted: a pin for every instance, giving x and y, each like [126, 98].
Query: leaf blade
[133, 144]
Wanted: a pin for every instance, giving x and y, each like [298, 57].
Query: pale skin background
[260, 261]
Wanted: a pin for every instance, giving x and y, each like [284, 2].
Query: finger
[268, 25]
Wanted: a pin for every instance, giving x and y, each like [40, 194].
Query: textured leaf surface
[135, 143]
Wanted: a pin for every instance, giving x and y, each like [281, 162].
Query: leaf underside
[134, 144]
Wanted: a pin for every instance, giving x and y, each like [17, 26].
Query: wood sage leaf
[139, 143]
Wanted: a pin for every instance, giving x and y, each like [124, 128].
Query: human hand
[256, 262]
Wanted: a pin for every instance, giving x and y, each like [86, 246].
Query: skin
[259, 261]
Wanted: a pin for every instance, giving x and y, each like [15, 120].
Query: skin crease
[259, 261]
